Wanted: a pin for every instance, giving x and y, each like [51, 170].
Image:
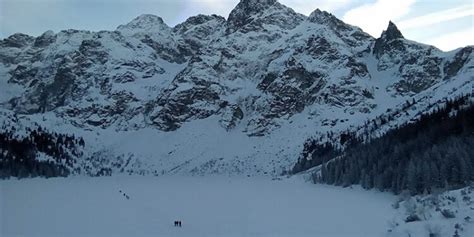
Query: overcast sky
[447, 24]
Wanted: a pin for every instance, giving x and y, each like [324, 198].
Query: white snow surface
[210, 206]
[218, 206]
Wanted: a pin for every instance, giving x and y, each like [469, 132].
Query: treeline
[315, 154]
[435, 152]
[19, 156]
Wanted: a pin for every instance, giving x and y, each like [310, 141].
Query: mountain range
[213, 95]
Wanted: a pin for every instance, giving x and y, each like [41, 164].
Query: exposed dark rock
[245, 17]
[17, 41]
[92, 49]
[22, 75]
[45, 39]
[460, 59]
[232, 115]
[125, 77]
[389, 40]
[167, 53]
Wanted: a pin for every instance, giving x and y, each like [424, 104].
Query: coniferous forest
[436, 152]
[20, 155]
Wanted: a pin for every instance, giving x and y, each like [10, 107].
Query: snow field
[207, 206]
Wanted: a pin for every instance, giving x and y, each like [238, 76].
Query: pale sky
[447, 24]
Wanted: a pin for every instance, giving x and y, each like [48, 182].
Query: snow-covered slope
[212, 95]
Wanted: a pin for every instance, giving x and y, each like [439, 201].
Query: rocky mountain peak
[255, 4]
[388, 40]
[247, 8]
[145, 22]
[244, 12]
[319, 16]
[392, 32]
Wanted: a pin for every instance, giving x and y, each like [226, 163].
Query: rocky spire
[388, 40]
[391, 33]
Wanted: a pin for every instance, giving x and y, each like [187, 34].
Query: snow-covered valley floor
[207, 206]
[216, 206]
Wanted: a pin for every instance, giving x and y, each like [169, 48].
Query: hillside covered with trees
[39, 153]
[435, 152]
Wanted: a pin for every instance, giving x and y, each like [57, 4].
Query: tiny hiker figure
[175, 223]
[179, 223]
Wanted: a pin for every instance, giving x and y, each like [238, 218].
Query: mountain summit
[249, 7]
[144, 23]
[250, 15]
[388, 40]
[392, 32]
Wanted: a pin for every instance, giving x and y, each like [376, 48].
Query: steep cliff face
[265, 79]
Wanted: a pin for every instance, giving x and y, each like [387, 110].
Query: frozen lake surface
[207, 206]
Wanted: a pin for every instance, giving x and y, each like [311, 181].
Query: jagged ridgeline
[37, 152]
[434, 152]
[213, 95]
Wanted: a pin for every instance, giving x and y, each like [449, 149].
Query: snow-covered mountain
[214, 95]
